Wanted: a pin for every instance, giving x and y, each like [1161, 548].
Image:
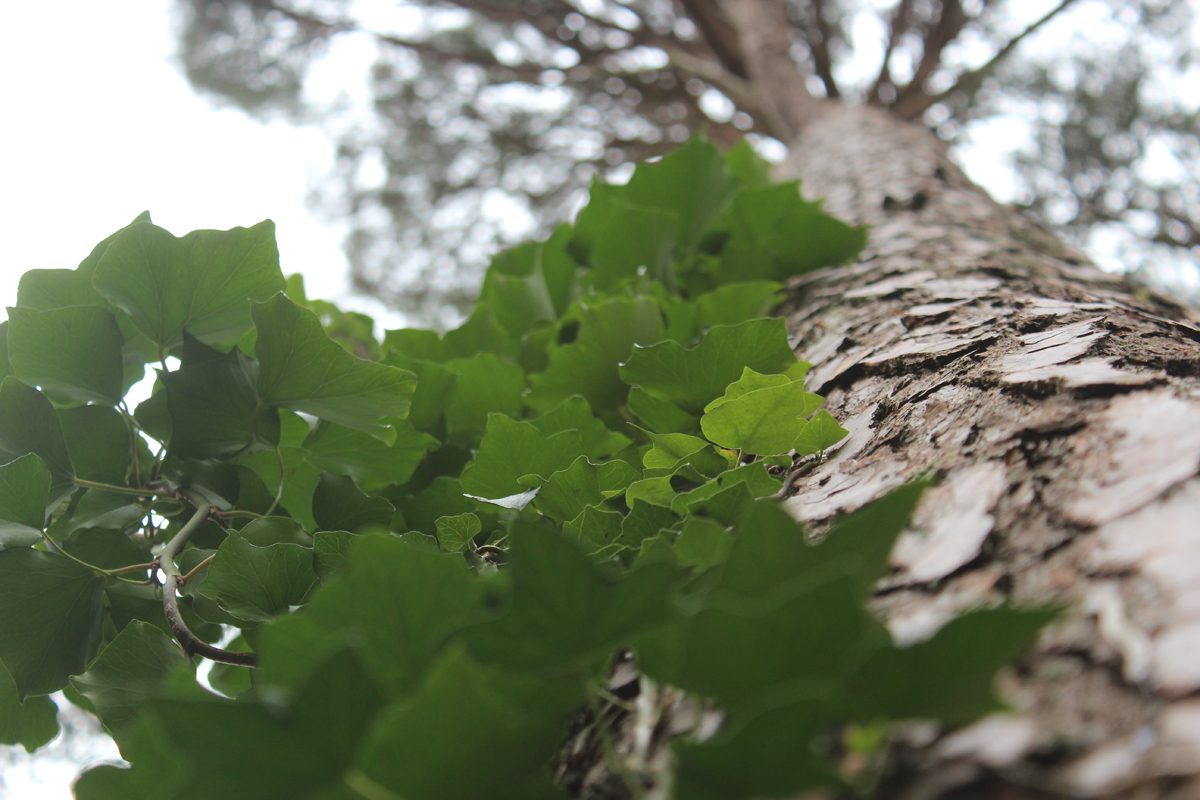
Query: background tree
[1057, 409]
[477, 121]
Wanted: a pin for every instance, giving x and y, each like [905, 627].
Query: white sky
[100, 124]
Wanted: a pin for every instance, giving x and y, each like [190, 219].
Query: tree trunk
[1062, 414]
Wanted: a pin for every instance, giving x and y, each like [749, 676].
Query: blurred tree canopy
[465, 125]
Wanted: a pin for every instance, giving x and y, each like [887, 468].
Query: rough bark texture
[1062, 414]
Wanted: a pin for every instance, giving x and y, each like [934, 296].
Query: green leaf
[301, 368]
[693, 182]
[214, 406]
[24, 494]
[950, 676]
[530, 284]
[762, 421]
[74, 352]
[568, 491]
[128, 671]
[594, 528]
[257, 583]
[510, 450]
[565, 613]
[289, 472]
[202, 282]
[30, 724]
[199, 746]
[821, 433]
[774, 234]
[50, 611]
[371, 463]
[399, 603]
[632, 240]
[339, 505]
[598, 440]
[691, 377]
[507, 730]
[454, 533]
[331, 551]
[484, 383]
[660, 415]
[97, 441]
[774, 754]
[702, 544]
[28, 424]
[588, 366]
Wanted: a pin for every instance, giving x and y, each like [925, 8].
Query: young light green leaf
[763, 421]
[821, 433]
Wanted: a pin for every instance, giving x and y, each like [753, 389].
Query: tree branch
[764, 34]
[949, 24]
[901, 19]
[718, 33]
[819, 47]
[969, 82]
[192, 644]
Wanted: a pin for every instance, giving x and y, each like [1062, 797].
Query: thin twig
[969, 82]
[192, 644]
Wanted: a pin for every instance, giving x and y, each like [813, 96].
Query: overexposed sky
[100, 124]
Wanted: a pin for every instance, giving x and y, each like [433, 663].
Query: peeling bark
[1062, 413]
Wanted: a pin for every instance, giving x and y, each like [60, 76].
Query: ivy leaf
[771, 755]
[588, 366]
[702, 543]
[565, 613]
[30, 724]
[417, 599]
[201, 282]
[74, 352]
[50, 610]
[774, 234]
[730, 304]
[948, 677]
[763, 421]
[507, 729]
[598, 440]
[510, 450]
[484, 383]
[371, 463]
[214, 405]
[455, 532]
[435, 387]
[339, 505]
[632, 239]
[97, 441]
[257, 583]
[199, 746]
[693, 182]
[301, 368]
[661, 416]
[331, 551]
[594, 527]
[128, 671]
[24, 494]
[288, 473]
[530, 284]
[691, 377]
[568, 491]
[819, 434]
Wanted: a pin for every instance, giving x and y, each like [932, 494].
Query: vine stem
[192, 644]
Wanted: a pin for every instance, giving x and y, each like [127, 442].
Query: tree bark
[1061, 410]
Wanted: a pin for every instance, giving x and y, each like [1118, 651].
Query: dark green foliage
[435, 578]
